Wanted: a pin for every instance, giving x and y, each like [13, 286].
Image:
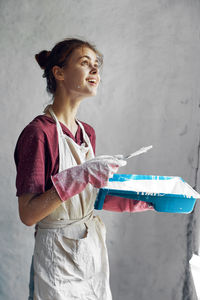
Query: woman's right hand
[96, 171]
[101, 168]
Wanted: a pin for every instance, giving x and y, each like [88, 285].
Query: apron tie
[65, 223]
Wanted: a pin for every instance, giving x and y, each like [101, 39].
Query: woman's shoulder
[41, 122]
[38, 128]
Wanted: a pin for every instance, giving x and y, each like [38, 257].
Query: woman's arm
[34, 207]
[67, 183]
[120, 204]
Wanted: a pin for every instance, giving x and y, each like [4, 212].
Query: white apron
[70, 255]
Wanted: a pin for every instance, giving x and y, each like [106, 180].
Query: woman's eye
[85, 62]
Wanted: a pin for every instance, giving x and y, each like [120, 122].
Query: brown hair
[59, 56]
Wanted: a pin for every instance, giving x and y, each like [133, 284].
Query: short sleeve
[30, 162]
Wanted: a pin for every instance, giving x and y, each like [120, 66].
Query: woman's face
[81, 74]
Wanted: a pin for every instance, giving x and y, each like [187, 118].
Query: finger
[110, 160]
[119, 162]
[119, 156]
[113, 168]
[122, 162]
[103, 157]
[111, 174]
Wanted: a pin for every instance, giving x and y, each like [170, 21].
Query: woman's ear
[58, 72]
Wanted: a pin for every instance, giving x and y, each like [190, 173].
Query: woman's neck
[66, 110]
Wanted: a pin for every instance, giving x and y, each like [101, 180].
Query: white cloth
[195, 269]
[70, 255]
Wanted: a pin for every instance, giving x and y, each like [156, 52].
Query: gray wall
[150, 94]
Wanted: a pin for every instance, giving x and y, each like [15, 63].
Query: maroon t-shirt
[37, 155]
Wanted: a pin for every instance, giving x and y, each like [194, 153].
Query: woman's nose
[94, 69]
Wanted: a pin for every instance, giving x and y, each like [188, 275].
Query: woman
[57, 180]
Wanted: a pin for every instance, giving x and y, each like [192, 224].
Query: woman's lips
[92, 81]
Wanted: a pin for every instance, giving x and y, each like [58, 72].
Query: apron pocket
[74, 255]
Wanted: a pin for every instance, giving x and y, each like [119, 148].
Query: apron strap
[85, 136]
[55, 119]
[66, 222]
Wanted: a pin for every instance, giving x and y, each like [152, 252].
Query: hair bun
[42, 58]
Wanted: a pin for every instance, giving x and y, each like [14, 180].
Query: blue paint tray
[167, 194]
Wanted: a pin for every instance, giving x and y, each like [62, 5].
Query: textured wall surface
[150, 94]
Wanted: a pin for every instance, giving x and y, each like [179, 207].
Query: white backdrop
[150, 94]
